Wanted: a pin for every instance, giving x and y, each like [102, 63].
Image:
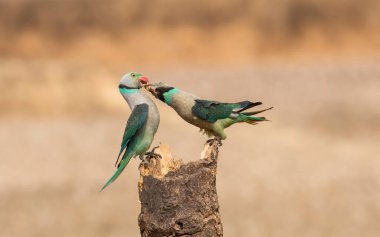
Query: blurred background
[313, 171]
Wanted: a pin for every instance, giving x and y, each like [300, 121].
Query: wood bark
[180, 199]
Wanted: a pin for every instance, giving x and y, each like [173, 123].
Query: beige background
[313, 171]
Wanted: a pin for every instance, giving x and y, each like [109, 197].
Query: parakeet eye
[133, 75]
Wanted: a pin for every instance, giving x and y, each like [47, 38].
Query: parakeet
[210, 116]
[141, 125]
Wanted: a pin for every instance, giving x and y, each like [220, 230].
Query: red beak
[144, 80]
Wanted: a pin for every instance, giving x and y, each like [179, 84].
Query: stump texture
[180, 199]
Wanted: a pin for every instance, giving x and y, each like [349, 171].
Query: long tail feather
[256, 112]
[251, 122]
[120, 169]
[242, 118]
[247, 105]
[118, 157]
[245, 117]
[252, 118]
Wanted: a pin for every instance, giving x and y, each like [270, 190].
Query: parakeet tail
[250, 119]
[243, 118]
[120, 169]
[256, 112]
[247, 105]
[118, 157]
[254, 120]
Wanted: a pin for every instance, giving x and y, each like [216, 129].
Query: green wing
[212, 111]
[134, 123]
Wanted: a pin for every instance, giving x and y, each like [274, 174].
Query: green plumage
[123, 163]
[135, 122]
[212, 111]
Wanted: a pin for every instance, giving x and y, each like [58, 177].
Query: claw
[151, 154]
[154, 148]
[215, 139]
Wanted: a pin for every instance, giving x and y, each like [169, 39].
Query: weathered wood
[180, 199]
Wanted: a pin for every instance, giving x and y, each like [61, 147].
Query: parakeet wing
[134, 123]
[212, 111]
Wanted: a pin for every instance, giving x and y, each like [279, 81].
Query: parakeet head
[131, 82]
[161, 91]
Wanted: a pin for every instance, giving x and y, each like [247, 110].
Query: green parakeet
[141, 125]
[210, 116]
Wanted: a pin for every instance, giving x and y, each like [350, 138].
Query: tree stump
[180, 199]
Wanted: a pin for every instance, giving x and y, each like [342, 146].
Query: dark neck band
[127, 87]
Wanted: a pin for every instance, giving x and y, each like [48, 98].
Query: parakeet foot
[215, 139]
[151, 154]
[148, 157]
